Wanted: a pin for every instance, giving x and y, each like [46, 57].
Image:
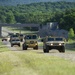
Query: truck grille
[31, 42]
[55, 43]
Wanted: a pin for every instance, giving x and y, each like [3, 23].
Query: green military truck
[30, 41]
[50, 43]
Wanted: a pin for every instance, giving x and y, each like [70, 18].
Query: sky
[15, 2]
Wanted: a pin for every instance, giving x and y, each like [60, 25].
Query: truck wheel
[46, 50]
[24, 47]
[11, 45]
[36, 47]
[62, 49]
[19, 45]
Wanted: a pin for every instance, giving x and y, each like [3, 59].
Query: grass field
[3, 47]
[31, 62]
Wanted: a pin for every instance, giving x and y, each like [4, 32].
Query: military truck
[21, 36]
[30, 41]
[14, 40]
[50, 43]
[14, 36]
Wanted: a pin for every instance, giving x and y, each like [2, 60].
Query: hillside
[15, 2]
[43, 12]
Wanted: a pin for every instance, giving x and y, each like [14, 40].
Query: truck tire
[19, 45]
[24, 47]
[36, 47]
[62, 49]
[46, 50]
[11, 45]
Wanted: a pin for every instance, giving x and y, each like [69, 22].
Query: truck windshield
[14, 36]
[17, 40]
[59, 39]
[21, 35]
[31, 37]
[34, 37]
[50, 39]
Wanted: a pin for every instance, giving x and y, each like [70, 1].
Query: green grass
[3, 47]
[71, 41]
[5, 64]
[34, 63]
[45, 65]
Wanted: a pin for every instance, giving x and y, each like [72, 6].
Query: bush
[71, 33]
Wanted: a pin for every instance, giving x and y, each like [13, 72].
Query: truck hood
[55, 42]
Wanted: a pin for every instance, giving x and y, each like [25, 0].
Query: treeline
[61, 12]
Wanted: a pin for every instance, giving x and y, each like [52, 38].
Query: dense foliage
[61, 12]
[71, 33]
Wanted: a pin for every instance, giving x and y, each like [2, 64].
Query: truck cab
[30, 41]
[50, 43]
[14, 40]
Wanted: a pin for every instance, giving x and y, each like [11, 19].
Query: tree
[2, 19]
[71, 33]
[10, 17]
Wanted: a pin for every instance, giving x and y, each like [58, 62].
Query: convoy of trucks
[51, 36]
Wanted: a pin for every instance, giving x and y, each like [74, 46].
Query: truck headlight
[60, 44]
[51, 44]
